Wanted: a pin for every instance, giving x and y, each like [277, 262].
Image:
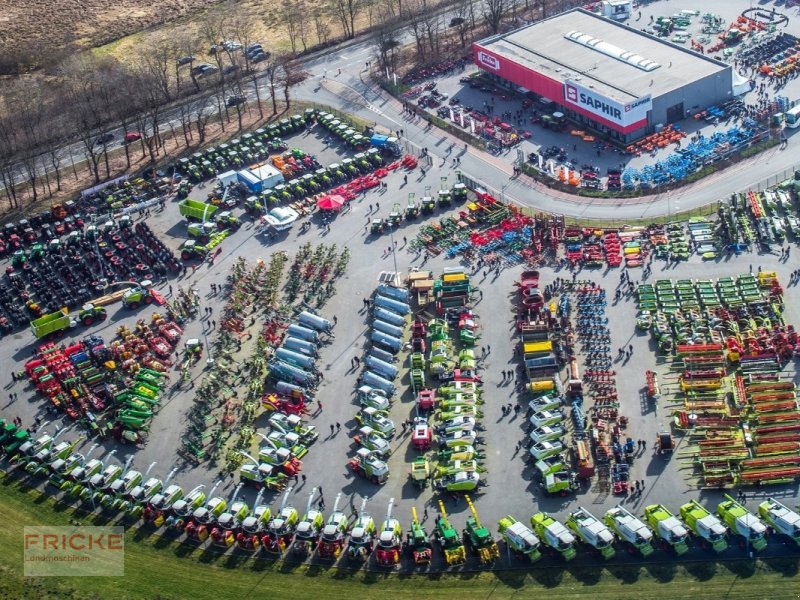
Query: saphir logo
[572, 93]
[635, 103]
[489, 61]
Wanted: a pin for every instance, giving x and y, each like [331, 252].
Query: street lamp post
[394, 249]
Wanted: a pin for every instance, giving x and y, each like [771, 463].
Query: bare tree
[321, 27]
[346, 12]
[493, 11]
[291, 18]
[273, 73]
[463, 20]
[29, 112]
[85, 107]
[9, 148]
[158, 58]
[202, 114]
[387, 40]
[292, 74]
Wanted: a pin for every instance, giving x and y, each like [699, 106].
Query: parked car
[204, 69]
[185, 60]
[104, 139]
[235, 100]
[253, 48]
[132, 136]
[230, 46]
[230, 69]
[258, 57]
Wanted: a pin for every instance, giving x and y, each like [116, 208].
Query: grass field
[156, 568]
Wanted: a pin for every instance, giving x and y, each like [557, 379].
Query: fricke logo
[572, 93]
[489, 61]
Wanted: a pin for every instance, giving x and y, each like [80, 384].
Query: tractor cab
[665, 442]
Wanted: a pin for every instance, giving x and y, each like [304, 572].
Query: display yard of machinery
[112, 388]
[728, 343]
[568, 444]
[442, 373]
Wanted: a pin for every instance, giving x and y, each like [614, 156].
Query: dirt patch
[88, 23]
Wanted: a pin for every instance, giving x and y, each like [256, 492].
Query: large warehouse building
[606, 75]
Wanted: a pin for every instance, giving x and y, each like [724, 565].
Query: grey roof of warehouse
[544, 47]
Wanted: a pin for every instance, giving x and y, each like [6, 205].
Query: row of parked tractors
[246, 150]
[69, 271]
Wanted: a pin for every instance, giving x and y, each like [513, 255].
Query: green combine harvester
[554, 535]
[781, 519]
[705, 525]
[667, 527]
[630, 529]
[744, 523]
[519, 538]
[592, 531]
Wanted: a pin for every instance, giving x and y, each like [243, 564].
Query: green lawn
[158, 569]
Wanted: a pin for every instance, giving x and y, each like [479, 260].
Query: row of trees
[89, 94]
[148, 95]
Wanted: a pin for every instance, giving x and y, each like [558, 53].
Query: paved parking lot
[582, 153]
[511, 489]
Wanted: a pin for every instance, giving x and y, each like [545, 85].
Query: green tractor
[225, 220]
[428, 205]
[37, 252]
[412, 208]
[450, 541]
[519, 538]
[395, 216]
[744, 523]
[19, 258]
[378, 226]
[190, 249]
[90, 313]
[417, 542]
[479, 538]
[459, 193]
[554, 534]
[705, 525]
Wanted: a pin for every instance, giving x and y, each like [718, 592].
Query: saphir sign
[607, 108]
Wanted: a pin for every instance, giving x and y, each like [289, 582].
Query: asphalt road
[512, 489]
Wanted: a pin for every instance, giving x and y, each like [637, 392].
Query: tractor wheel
[185, 256]
[101, 316]
[87, 321]
[133, 305]
[374, 479]
[148, 299]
